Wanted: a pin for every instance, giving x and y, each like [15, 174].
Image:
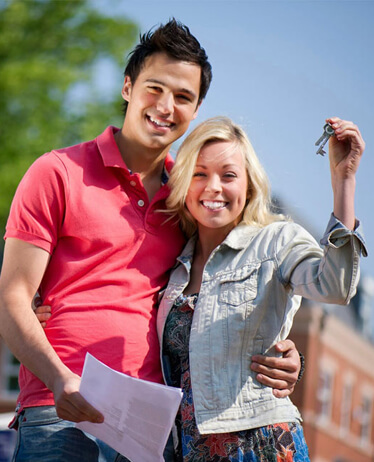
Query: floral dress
[273, 443]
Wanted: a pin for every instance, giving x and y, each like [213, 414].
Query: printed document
[138, 414]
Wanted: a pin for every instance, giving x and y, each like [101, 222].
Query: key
[328, 131]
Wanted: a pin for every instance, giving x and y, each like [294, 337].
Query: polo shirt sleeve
[37, 210]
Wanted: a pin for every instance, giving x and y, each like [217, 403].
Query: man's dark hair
[176, 40]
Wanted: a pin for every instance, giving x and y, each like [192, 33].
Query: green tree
[50, 53]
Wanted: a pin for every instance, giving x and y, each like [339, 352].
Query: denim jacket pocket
[239, 286]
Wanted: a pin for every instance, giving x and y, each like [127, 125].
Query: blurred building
[8, 379]
[336, 395]
[8, 395]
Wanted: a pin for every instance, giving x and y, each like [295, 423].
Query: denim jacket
[251, 288]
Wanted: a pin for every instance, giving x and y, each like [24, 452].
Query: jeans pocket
[42, 435]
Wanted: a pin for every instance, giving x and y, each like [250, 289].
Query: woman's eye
[229, 175]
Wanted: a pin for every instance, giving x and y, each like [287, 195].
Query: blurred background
[279, 69]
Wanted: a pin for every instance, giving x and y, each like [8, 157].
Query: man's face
[162, 101]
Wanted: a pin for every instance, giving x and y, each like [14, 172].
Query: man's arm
[282, 373]
[23, 268]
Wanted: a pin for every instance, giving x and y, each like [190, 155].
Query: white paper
[138, 414]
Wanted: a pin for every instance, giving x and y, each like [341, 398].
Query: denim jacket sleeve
[330, 275]
[337, 235]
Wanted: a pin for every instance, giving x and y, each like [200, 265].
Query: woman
[237, 286]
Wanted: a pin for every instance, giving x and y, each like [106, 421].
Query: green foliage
[47, 47]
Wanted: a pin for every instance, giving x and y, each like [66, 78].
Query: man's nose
[165, 103]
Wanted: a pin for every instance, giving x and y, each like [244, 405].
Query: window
[324, 393]
[365, 419]
[9, 374]
[346, 408]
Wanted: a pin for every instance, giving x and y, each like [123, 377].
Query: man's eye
[184, 98]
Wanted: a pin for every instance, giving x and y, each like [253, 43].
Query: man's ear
[126, 89]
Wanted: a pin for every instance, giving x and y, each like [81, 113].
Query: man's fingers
[279, 373]
[283, 393]
[70, 404]
[281, 388]
[274, 383]
[270, 365]
[76, 409]
[285, 345]
[275, 373]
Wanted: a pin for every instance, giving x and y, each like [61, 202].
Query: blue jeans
[44, 437]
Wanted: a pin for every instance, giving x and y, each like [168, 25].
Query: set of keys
[328, 131]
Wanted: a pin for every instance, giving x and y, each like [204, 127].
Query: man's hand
[281, 374]
[70, 404]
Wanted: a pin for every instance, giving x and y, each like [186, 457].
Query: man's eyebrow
[182, 90]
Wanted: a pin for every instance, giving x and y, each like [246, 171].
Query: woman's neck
[208, 239]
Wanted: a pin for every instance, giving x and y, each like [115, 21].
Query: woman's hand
[345, 152]
[43, 312]
[345, 148]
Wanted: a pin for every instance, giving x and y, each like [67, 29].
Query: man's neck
[148, 163]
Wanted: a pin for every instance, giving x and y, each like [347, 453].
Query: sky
[280, 68]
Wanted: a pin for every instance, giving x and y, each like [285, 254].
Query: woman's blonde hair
[258, 211]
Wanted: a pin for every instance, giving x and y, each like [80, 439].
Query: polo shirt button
[140, 203]
[133, 183]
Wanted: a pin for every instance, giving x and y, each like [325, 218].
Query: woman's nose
[214, 184]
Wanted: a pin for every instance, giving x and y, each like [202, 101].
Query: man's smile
[160, 123]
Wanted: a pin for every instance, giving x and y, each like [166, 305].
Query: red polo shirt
[111, 252]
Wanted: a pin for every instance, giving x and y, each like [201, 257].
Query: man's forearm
[26, 339]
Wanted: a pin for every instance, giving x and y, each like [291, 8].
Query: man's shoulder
[73, 156]
[98, 149]
[74, 151]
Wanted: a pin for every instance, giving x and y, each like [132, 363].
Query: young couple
[91, 239]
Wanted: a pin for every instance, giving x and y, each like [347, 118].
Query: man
[84, 230]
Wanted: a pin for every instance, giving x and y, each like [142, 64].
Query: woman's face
[218, 191]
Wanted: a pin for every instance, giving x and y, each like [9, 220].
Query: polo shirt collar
[111, 155]
[108, 148]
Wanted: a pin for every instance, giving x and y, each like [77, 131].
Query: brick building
[336, 395]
